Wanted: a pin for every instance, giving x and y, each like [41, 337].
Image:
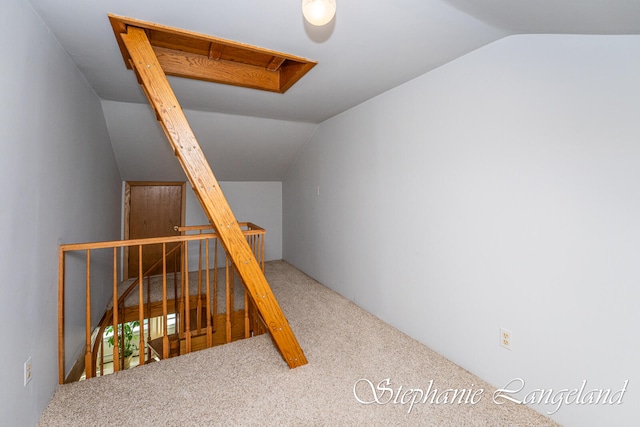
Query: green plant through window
[126, 338]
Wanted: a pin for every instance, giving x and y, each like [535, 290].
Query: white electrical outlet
[505, 338]
[27, 371]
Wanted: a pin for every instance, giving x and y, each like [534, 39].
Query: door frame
[127, 211]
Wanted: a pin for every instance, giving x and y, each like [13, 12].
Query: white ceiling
[370, 47]
[556, 16]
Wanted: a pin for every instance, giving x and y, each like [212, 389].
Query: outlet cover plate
[505, 338]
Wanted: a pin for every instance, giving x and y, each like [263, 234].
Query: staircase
[178, 346]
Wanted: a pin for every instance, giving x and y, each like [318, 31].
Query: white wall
[500, 190]
[256, 202]
[238, 148]
[60, 185]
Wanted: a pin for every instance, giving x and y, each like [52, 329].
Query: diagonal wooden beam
[175, 125]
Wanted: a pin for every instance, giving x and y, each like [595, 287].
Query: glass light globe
[318, 12]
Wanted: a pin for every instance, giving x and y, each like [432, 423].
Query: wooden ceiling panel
[181, 42]
[200, 67]
[191, 55]
[245, 56]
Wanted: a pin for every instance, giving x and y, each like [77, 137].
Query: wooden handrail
[249, 228]
[129, 242]
[150, 240]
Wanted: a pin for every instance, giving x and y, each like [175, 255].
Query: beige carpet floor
[247, 383]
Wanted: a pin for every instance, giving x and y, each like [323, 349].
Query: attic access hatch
[197, 56]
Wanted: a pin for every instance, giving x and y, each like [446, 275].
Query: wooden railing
[194, 330]
[107, 319]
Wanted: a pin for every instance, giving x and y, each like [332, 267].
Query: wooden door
[152, 209]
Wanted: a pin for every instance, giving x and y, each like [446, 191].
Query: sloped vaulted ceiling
[369, 48]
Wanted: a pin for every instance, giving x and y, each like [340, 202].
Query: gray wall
[256, 202]
[500, 190]
[60, 185]
[238, 148]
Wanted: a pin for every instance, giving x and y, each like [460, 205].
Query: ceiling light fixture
[318, 12]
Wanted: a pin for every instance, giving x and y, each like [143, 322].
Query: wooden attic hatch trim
[144, 61]
[197, 56]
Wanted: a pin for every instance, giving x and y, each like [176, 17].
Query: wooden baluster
[252, 243]
[187, 317]
[199, 306]
[116, 335]
[256, 240]
[165, 335]
[87, 358]
[247, 329]
[208, 285]
[180, 318]
[148, 316]
[176, 304]
[101, 348]
[228, 273]
[232, 290]
[249, 240]
[116, 341]
[262, 250]
[61, 275]
[215, 284]
[140, 308]
[256, 246]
